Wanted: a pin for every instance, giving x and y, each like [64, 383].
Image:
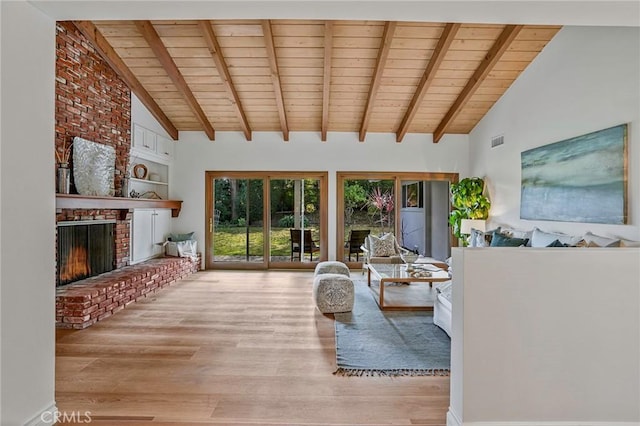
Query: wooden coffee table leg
[368, 276]
[381, 294]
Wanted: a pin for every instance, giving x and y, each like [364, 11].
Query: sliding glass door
[259, 220]
[238, 221]
[414, 206]
[295, 220]
[369, 208]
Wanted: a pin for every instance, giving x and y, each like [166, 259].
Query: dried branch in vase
[63, 156]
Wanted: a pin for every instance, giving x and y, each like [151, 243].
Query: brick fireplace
[122, 228]
[85, 302]
[92, 102]
[84, 249]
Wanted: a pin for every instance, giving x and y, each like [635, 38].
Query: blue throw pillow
[500, 240]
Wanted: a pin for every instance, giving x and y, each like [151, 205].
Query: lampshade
[467, 224]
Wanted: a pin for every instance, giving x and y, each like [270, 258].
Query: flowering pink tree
[383, 202]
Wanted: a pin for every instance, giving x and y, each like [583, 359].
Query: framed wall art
[581, 179]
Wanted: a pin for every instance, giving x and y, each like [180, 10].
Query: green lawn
[231, 240]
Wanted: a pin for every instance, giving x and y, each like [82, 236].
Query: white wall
[545, 345]
[27, 213]
[196, 154]
[586, 79]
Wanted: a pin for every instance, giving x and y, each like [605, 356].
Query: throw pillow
[384, 246]
[181, 237]
[557, 243]
[615, 243]
[591, 244]
[481, 238]
[500, 240]
[599, 240]
[543, 239]
[516, 233]
[629, 243]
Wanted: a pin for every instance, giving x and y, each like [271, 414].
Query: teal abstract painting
[582, 179]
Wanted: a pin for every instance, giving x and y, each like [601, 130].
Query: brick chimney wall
[91, 100]
[94, 103]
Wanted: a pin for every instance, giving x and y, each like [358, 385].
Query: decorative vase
[125, 187]
[64, 178]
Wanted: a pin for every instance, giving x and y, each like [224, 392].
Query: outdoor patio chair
[355, 241]
[310, 245]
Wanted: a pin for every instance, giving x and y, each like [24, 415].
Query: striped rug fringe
[361, 372]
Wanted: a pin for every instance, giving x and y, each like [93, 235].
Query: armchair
[383, 249]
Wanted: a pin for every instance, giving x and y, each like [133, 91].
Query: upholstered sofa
[442, 306]
[508, 237]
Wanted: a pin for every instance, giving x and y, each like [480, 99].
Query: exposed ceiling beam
[275, 77]
[108, 53]
[448, 34]
[221, 65]
[152, 37]
[507, 36]
[383, 53]
[326, 80]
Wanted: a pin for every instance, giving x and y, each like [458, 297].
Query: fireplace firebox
[85, 249]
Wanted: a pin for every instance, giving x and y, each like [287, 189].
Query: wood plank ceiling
[320, 76]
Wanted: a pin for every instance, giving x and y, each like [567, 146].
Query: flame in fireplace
[76, 265]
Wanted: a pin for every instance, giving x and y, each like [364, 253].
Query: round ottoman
[331, 267]
[333, 293]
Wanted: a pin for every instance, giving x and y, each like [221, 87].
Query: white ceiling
[600, 13]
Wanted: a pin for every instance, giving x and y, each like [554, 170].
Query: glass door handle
[210, 224]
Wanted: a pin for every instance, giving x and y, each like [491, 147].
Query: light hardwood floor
[234, 348]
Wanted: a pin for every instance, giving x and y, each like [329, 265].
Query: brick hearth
[88, 301]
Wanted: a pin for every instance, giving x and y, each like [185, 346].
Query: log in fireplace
[85, 249]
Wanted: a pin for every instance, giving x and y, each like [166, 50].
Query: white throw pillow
[629, 243]
[543, 239]
[384, 246]
[599, 240]
[516, 233]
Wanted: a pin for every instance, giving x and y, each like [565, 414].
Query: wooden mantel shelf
[74, 201]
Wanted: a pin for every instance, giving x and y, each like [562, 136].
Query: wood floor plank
[232, 348]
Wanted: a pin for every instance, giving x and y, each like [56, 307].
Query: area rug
[370, 342]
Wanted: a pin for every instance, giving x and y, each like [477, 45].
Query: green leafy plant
[354, 197]
[289, 221]
[468, 201]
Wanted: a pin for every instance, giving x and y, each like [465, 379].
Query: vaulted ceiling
[322, 76]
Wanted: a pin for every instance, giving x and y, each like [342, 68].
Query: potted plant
[468, 201]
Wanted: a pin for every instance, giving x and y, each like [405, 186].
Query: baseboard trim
[44, 418]
[539, 423]
[452, 418]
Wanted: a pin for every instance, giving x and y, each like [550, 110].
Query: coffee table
[397, 273]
